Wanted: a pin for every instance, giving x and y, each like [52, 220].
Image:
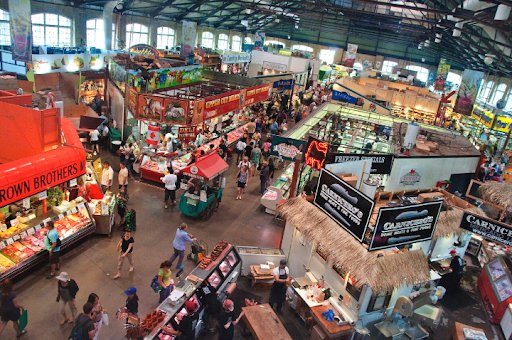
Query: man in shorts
[52, 244]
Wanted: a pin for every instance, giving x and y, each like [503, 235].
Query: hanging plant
[55, 197]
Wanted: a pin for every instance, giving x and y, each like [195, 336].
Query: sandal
[116, 277]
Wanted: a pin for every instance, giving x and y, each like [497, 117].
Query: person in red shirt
[91, 192]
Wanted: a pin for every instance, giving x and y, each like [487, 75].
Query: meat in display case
[153, 167]
[223, 269]
[23, 245]
[495, 285]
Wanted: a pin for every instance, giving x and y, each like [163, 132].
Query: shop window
[51, 30]
[350, 288]
[387, 66]
[223, 42]
[421, 72]
[327, 56]
[303, 48]
[454, 78]
[95, 33]
[5, 32]
[486, 90]
[236, 43]
[248, 40]
[379, 302]
[136, 34]
[207, 40]
[164, 37]
[498, 93]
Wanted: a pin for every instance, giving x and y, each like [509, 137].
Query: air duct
[502, 12]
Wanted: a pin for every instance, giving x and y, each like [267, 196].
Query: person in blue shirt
[52, 244]
[179, 244]
[274, 127]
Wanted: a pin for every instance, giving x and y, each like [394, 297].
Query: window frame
[47, 27]
[5, 27]
[248, 40]
[388, 64]
[225, 40]
[486, 90]
[494, 99]
[302, 48]
[331, 58]
[96, 32]
[162, 37]
[131, 33]
[207, 36]
[419, 70]
[238, 43]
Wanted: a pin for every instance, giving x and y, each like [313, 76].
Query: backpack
[77, 333]
[155, 285]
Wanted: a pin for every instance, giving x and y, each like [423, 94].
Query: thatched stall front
[380, 273]
[497, 193]
[448, 223]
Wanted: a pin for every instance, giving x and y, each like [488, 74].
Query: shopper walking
[169, 181]
[100, 316]
[278, 291]
[228, 320]
[255, 158]
[179, 244]
[122, 178]
[124, 248]
[132, 301]
[266, 147]
[107, 177]
[10, 310]
[264, 177]
[223, 150]
[240, 149]
[242, 181]
[164, 280]
[66, 293]
[94, 137]
[84, 324]
[52, 244]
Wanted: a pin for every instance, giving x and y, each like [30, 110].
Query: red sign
[175, 111]
[150, 108]
[256, 94]
[316, 153]
[187, 133]
[219, 105]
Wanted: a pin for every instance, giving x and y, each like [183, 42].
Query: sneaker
[165, 206]
[131, 269]
[117, 276]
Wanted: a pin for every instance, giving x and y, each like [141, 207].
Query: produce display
[13, 231]
[152, 320]
[217, 251]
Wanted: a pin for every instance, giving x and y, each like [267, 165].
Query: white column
[108, 10]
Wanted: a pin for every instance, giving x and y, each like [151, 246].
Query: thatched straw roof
[448, 222]
[497, 193]
[380, 273]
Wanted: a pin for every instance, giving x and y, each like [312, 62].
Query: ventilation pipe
[108, 10]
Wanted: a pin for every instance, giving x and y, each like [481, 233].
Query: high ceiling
[394, 28]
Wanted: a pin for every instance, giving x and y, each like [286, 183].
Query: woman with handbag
[101, 316]
[164, 280]
[10, 310]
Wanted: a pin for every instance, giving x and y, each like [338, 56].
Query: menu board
[348, 207]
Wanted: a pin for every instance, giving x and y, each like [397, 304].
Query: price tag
[9, 241]
[61, 216]
[42, 195]
[15, 222]
[16, 237]
[26, 203]
[74, 210]
[24, 234]
[46, 220]
[38, 227]
[32, 231]
[72, 182]
[2, 245]
[81, 206]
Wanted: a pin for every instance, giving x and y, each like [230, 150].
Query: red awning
[30, 175]
[206, 168]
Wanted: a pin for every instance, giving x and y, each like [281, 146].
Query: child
[132, 301]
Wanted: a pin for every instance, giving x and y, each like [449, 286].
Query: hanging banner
[404, 225]
[219, 105]
[188, 38]
[489, 229]
[163, 78]
[235, 58]
[316, 153]
[21, 29]
[150, 108]
[286, 148]
[349, 57]
[117, 74]
[345, 97]
[283, 84]
[468, 90]
[175, 111]
[442, 73]
[502, 123]
[259, 40]
[51, 63]
[153, 135]
[381, 163]
[256, 94]
[348, 207]
[483, 116]
[132, 100]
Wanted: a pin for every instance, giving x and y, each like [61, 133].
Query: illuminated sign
[316, 153]
[502, 123]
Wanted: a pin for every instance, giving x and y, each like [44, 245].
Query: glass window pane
[51, 19]
[236, 43]
[52, 36]
[4, 15]
[5, 34]
[64, 36]
[63, 21]
[38, 35]
[91, 23]
[38, 18]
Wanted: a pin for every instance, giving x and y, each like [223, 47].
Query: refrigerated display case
[22, 246]
[217, 276]
[153, 167]
[495, 285]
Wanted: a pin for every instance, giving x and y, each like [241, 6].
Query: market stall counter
[264, 324]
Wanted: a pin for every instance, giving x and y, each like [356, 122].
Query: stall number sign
[489, 229]
[348, 207]
[403, 225]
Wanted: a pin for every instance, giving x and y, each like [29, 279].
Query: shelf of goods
[103, 213]
[218, 270]
[423, 116]
[22, 246]
[154, 164]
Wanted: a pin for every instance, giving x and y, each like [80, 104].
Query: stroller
[130, 221]
[198, 251]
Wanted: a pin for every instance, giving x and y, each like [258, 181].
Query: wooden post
[295, 177]
[483, 147]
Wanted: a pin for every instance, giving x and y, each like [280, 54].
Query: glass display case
[152, 167]
[495, 285]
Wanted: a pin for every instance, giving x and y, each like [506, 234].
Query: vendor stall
[205, 186]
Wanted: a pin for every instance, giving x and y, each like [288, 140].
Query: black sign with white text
[403, 225]
[489, 229]
[381, 163]
[347, 206]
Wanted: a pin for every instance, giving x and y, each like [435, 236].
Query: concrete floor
[93, 263]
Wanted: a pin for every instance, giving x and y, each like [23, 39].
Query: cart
[208, 171]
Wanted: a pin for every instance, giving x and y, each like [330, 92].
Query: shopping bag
[23, 320]
[104, 318]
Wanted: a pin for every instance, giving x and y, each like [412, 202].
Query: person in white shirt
[94, 136]
[170, 187]
[105, 136]
[199, 138]
[123, 179]
[107, 177]
[240, 149]
[278, 291]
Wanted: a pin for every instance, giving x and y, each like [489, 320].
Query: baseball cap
[190, 306]
[130, 291]
[228, 304]
[453, 251]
